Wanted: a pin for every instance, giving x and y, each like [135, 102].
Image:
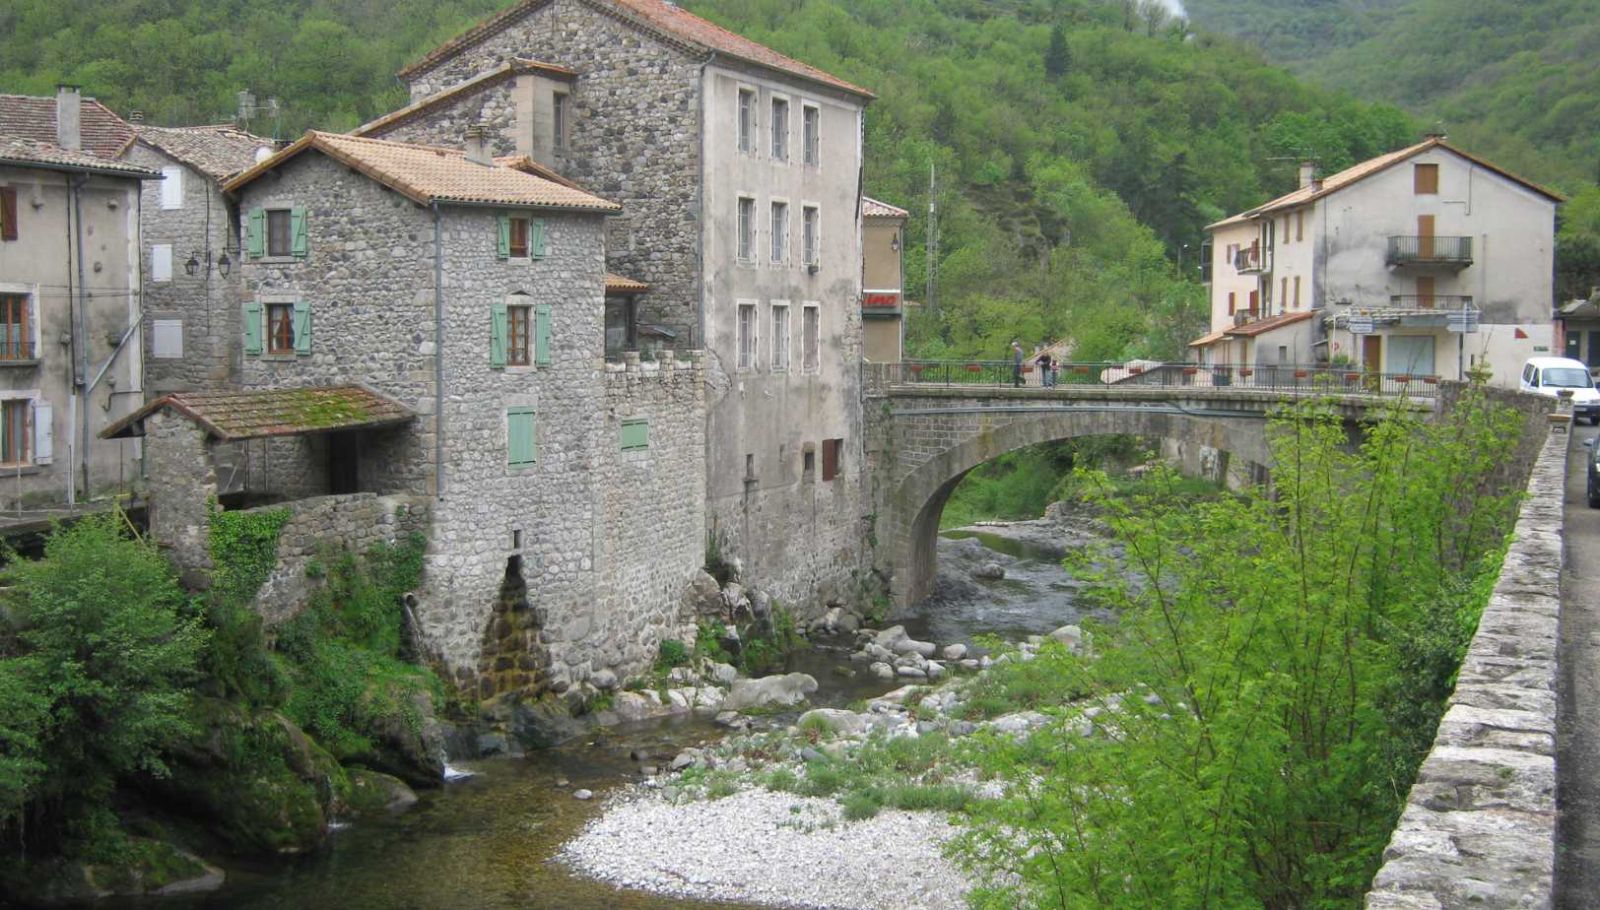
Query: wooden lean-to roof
[260, 413]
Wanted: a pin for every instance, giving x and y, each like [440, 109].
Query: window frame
[160, 254]
[811, 141]
[519, 355]
[832, 456]
[270, 339]
[810, 337]
[25, 435]
[622, 434]
[778, 127]
[560, 118]
[747, 337]
[287, 221]
[780, 336]
[525, 225]
[745, 121]
[26, 347]
[779, 241]
[810, 234]
[745, 229]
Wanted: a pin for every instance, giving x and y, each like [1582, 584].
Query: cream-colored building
[883, 303]
[1371, 267]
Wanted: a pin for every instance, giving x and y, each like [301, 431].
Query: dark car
[1594, 474]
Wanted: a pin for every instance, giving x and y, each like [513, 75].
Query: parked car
[1550, 375]
[1594, 474]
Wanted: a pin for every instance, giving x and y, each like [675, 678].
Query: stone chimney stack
[478, 145]
[69, 117]
[1308, 173]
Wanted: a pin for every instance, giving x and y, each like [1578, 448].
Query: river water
[486, 843]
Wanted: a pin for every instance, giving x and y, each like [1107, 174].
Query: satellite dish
[262, 154]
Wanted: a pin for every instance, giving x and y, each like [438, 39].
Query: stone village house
[421, 347]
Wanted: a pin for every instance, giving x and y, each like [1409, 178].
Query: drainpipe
[700, 207]
[72, 336]
[438, 353]
[81, 374]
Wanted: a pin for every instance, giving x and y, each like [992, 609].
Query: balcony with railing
[1430, 302]
[1252, 260]
[1449, 252]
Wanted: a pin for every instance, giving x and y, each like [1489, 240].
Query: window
[747, 229]
[279, 238]
[635, 434]
[518, 322]
[747, 336]
[16, 334]
[280, 328]
[521, 448]
[747, 120]
[559, 103]
[780, 129]
[1297, 292]
[1425, 179]
[749, 467]
[520, 237]
[832, 453]
[810, 331]
[1283, 291]
[810, 133]
[276, 232]
[810, 238]
[780, 337]
[172, 187]
[518, 328]
[1231, 305]
[15, 431]
[780, 231]
[166, 339]
[1299, 225]
[808, 464]
[161, 262]
[8, 213]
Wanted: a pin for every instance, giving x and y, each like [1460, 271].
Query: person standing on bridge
[1046, 364]
[1016, 363]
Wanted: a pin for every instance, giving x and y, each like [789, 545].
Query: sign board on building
[1462, 321]
[880, 300]
[1361, 325]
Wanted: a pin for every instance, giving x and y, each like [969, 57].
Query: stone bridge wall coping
[1479, 826]
[1116, 393]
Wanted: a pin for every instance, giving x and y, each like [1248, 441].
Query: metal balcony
[1430, 301]
[1252, 260]
[1450, 252]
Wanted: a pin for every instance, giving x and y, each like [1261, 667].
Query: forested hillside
[1080, 144]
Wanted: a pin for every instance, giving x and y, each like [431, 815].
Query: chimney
[69, 117]
[478, 145]
[136, 117]
[1308, 173]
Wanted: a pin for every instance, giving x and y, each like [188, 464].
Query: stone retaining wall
[1479, 827]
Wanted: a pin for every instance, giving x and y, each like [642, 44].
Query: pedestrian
[1046, 363]
[1016, 363]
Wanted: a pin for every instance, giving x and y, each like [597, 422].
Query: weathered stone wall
[204, 303]
[1479, 827]
[493, 106]
[1512, 472]
[182, 487]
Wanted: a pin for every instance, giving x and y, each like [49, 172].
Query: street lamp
[224, 264]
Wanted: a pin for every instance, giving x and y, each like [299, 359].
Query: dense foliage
[1280, 663]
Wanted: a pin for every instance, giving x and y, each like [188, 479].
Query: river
[485, 843]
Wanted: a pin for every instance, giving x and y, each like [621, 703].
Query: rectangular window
[747, 336]
[808, 464]
[747, 229]
[810, 339]
[518, 324]
[1231, 303]
[280, 328]
[811, 239]
[16, 335]
[517, 247]
[172, 187]
[780, 337]
[559, 104]
[280, 237]
[832, 450]
[1283, 290]
[1425, 179]
[1297, 292]
[15, 431]
[635, 434]
[780, 129]
[780, 231]
[1300, 225]
[811, 133]
[161, 262]
[521, 448]
[747, 120]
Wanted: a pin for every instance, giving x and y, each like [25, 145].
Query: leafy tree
[1058, 59]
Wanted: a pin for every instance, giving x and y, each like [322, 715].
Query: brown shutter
[830, 459]
[8, 213]
[1231, 304]
[1425, 179]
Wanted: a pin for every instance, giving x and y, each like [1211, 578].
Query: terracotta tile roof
[616, 284]
[1263, 326]
[1349, 175]
[218, 151]
[514, 67]
[1212, 338]
[29, 153]
[527, 165]
[426, 174]
[659, 16]
[872, 208]
[254, 414]
[31, 117]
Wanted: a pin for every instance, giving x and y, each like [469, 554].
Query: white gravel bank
[772, 848]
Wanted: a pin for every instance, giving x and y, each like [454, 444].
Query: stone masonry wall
[1479, 827]
[493, 106]
[182, 485]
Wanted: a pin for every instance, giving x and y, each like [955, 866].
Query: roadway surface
[1577, 885]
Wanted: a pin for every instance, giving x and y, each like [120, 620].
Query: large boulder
[769, 691]
[407, 740]
[375, 793]
[835, 720]
[701, 597]
[537, 724]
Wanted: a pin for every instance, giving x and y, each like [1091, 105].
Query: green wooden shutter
[635, 434]
[497, 337]
[536, 238]
[297, 230]
[256, 233]
[502, 246]
[521, 449]
[541, 334]
[252, 327]
[302, 327]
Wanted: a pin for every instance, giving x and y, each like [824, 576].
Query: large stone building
[70, 278]
[738, 169]
[1366, 266]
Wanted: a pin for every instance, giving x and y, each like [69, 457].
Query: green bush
[671, 653]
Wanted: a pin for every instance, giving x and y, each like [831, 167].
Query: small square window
[280, 328]
[635, 434]
[280, 240]
[749, 467]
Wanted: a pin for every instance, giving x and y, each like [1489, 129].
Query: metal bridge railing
[1289, 378]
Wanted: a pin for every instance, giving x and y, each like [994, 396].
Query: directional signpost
[1462, 320]
[1361, 325]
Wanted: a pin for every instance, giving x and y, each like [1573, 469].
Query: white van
[1549, 375]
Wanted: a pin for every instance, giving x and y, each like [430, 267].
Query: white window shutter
[43, 432]
[161, 262]
[172, 187]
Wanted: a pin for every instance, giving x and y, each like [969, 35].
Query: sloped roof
[218, 151]
[426, 174]
[515, 67]
[1211, 338]
[616, 284]
[259, 413]
[527, 165]
[872, 208]
[29, 153]
[105, 135]
[1357, 172]
[659, 16]
[1263, 326]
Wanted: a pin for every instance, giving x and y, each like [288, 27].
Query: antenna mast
[933, 240]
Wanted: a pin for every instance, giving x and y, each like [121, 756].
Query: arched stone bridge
[923, 436]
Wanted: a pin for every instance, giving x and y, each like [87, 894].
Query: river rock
[989, 571]
[835, 720]
[735, 599]
[375, 792]
[632, 706]
[701, 597]
[911, 672]
[912, 646]
[407, 740]
[888, 637]
[583, 794]
[878, 652]
[1071, 636]
[882, 670]
[760, 604]
[1017, 725]
[733, 720]
[157, 868]
[604, 680]
[708, 699]
[685, 759]
[538, 724]
[934, 669]
[724, 674]
[680, 700]
[770, 691]
[954, 652]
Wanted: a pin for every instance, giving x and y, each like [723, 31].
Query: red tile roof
[872, 208]
[258, 413]
[1263, 326]
[426, 174]
[28, 153]
[218, 151]
[515, 67]
[660, 16]
[30, 117]
[616, 284]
